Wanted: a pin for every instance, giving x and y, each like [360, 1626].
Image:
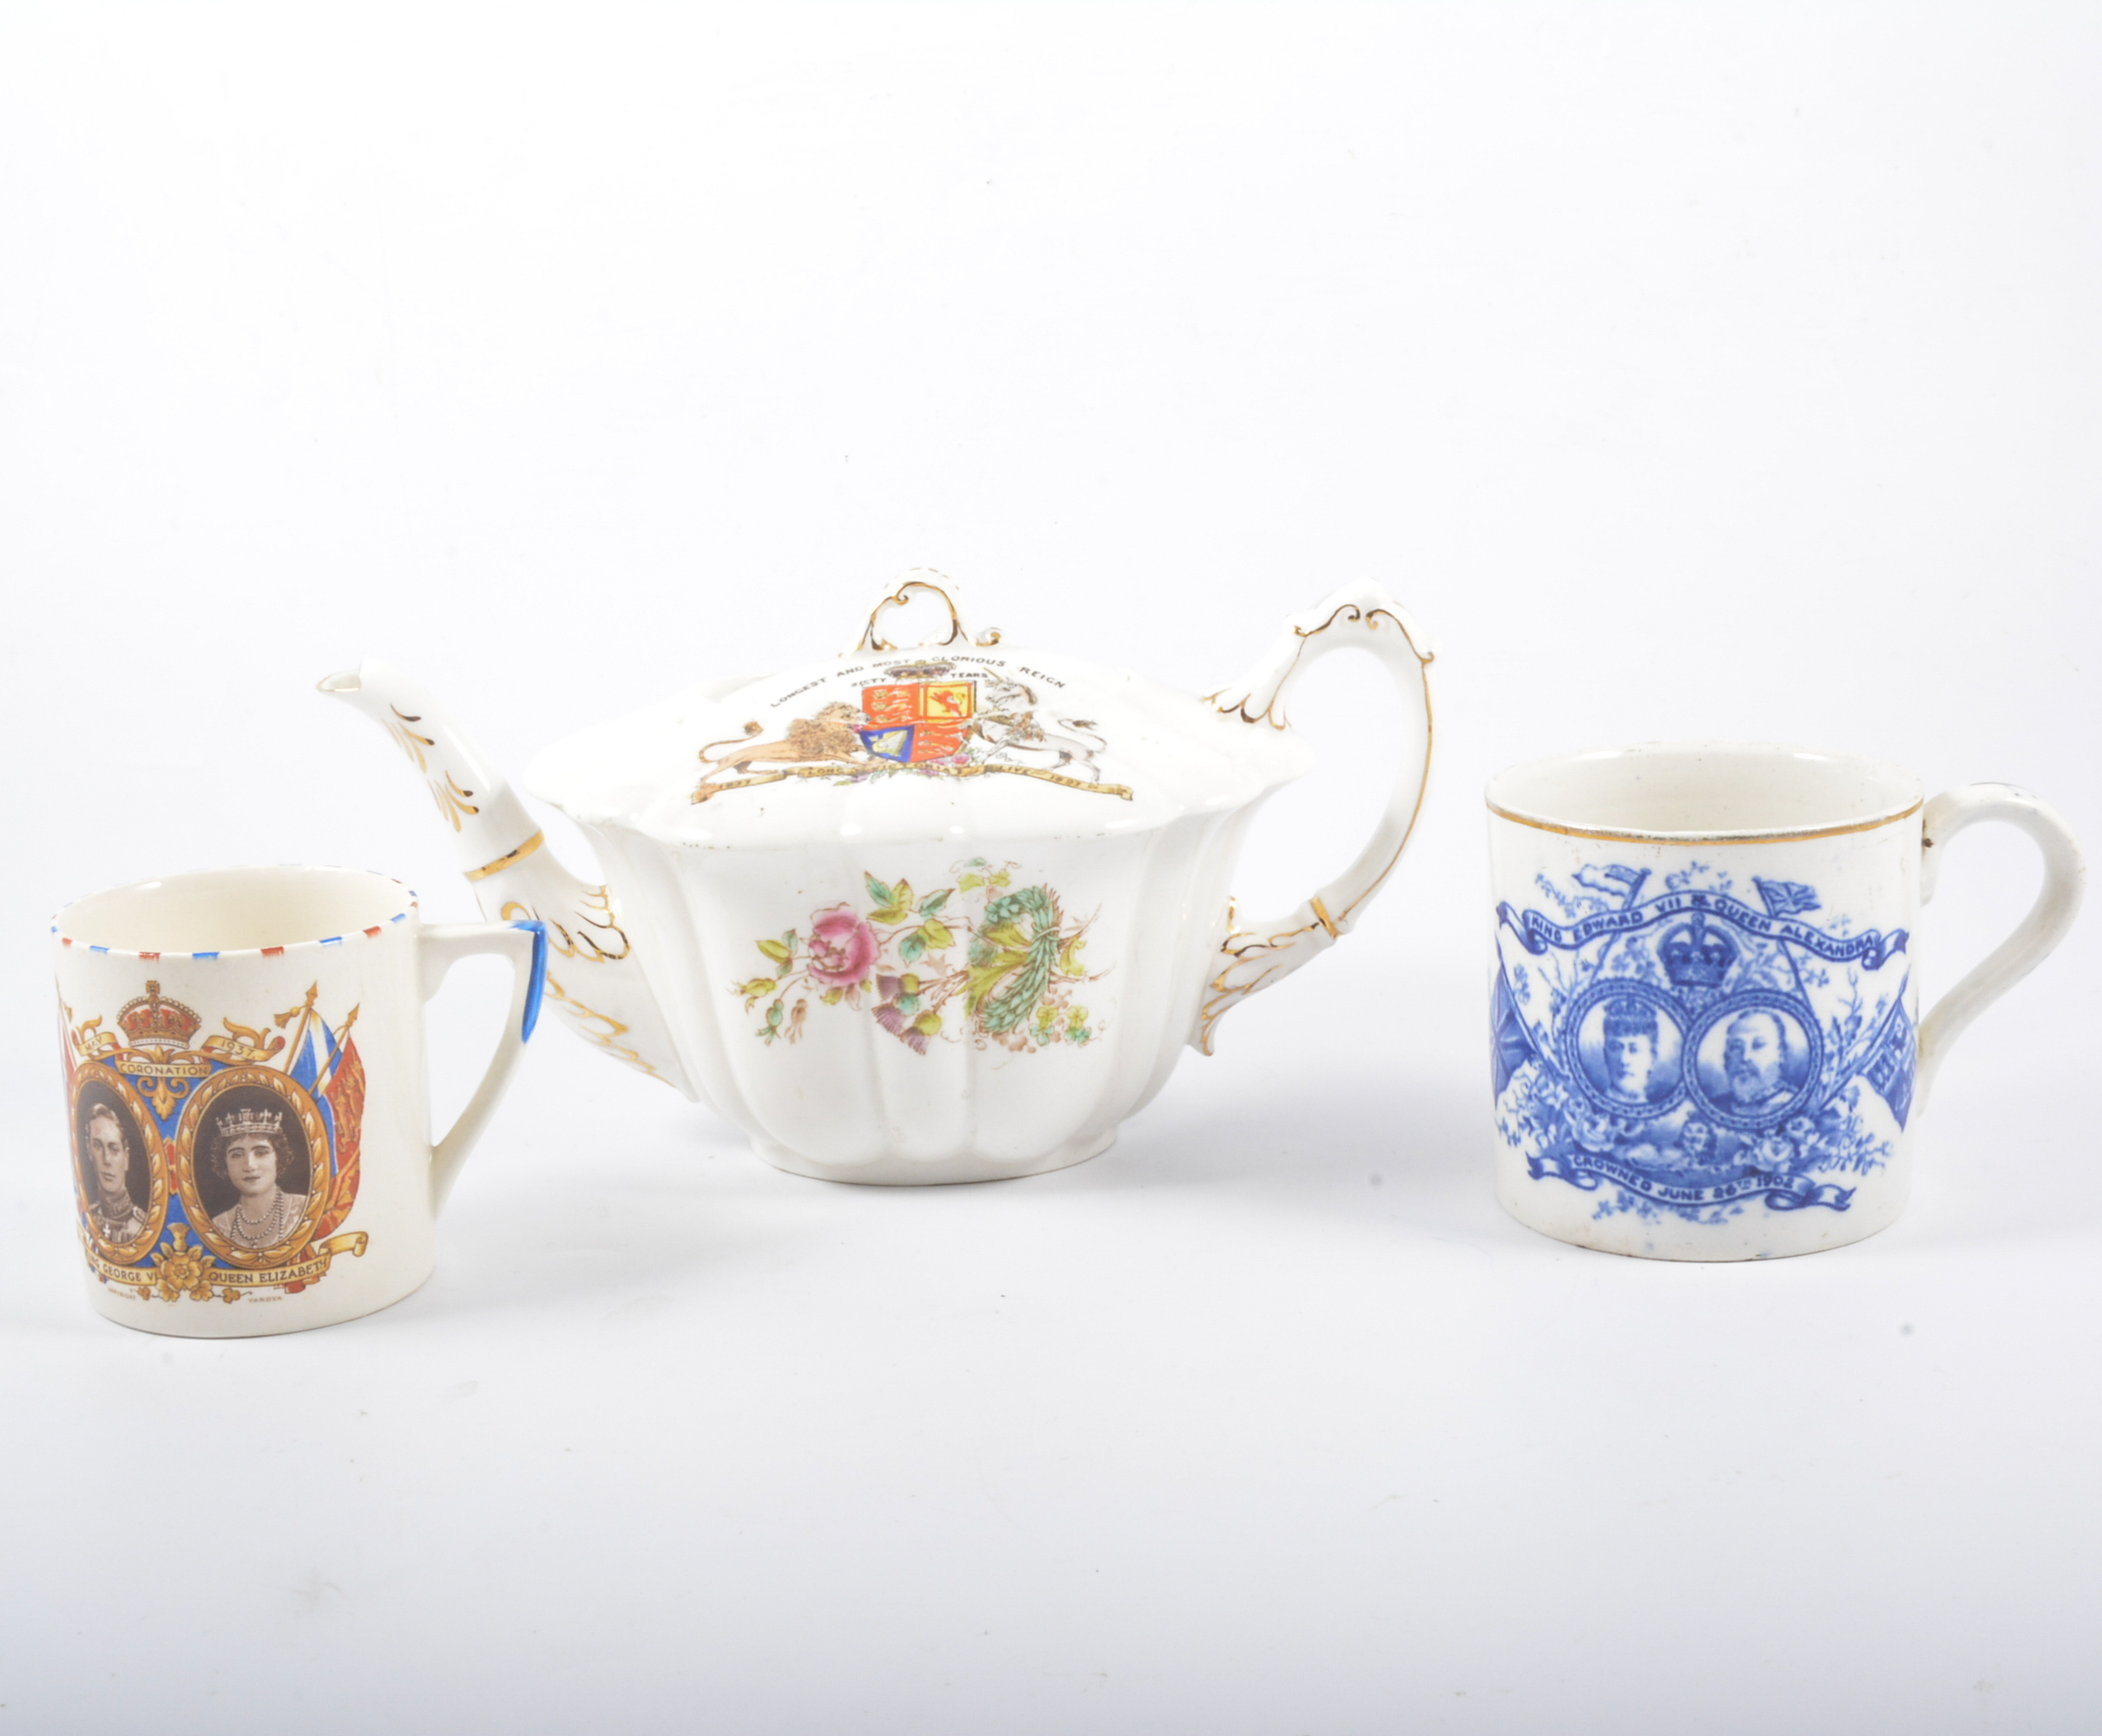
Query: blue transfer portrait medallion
[1678, 1049]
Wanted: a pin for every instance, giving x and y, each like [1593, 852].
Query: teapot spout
[594, 979]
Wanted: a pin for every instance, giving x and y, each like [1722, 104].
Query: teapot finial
[935, 584]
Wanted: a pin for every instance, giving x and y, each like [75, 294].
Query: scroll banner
[1783, 1194]
[1536, 934]
[186, 1271]
[844, 769]
[164, 1083]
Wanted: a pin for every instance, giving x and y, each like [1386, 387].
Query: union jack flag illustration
[1785, 897]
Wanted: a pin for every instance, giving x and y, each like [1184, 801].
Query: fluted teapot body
[942, 912]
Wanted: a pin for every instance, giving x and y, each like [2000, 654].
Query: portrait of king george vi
[255, 1172]
[1630, 1052]
[1755, 1062]
[115, 1180]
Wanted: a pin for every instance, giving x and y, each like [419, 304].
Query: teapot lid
[964, 737]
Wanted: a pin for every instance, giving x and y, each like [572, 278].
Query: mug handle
[2058, 901]
[1360, 616]
[525, 944]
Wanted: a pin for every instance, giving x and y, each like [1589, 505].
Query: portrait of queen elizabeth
[260, 1167]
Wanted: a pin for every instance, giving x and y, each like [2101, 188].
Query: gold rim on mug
[1901, 796]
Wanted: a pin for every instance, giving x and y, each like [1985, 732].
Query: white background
[1690, 371]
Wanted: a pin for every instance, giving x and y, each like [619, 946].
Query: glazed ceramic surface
[245, 1094]
[1707, 1041]
[944, 912]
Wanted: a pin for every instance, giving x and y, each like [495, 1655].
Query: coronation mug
[1705, 1036]
[247, 1098]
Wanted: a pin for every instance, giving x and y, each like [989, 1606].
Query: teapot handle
[1361, 616]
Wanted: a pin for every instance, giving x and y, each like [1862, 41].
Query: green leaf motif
[1033, 956]
[1002, 936]
[934, 902]
[934, 936]
[984, 976]
[969, 882]
[778, 950]
[897, 907]
[879, 894]
[912, 946]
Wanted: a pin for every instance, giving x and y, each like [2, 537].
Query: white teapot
[944, 913]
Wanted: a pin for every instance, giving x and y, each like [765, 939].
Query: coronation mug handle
[525, 944]
[1359, 616]
[2057, 903]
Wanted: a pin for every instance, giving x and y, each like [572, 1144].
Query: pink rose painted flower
[842, 948]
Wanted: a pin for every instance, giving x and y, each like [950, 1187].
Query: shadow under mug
[246, 1093]
[1704, 1031]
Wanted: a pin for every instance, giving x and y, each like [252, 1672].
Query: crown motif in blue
[1695, 958]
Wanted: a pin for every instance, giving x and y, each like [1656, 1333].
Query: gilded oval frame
[320, 1157]
[127, 1094]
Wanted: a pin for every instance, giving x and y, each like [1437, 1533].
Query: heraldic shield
[217, 1170]
[1690, 1053]
[914, 720]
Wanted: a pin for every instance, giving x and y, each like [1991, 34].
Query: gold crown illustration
[241, 1123]
[150, 1021]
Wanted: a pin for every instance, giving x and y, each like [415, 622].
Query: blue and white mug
[1705, 1036]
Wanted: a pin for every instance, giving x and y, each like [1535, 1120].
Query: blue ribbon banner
[1536, 934]
[1587, 1170]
